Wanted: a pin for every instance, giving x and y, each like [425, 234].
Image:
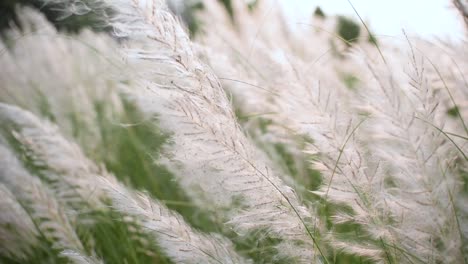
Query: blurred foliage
[348, 30]
[190, 9]
[318, 12]
[134, 246]
[228, 6]
[189, 16]
[53, 12]
[252, 5]
[261, 247]
[453, 112]
[350, 80]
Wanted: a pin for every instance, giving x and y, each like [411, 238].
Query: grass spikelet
[45, 211]
[59, 162]
[180, 241]
[17, 231]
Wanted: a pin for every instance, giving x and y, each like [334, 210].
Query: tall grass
[124, 140]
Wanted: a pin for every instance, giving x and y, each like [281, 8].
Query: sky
[427, 18]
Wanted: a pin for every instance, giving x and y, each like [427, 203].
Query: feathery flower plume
[384, 123]
[17, 232]
[179, 240]
[209, 152]
[71, 80]
[57, 160]
[78, 258]
[416, 163]
[337, 120]
[45, 211]
[63, 164]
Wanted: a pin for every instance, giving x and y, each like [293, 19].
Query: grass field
[210, 132]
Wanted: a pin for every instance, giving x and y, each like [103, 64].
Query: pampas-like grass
[383, 122]
[192, 105]
[180, 242]
[59, 162]
[17, 231]
[45, 211]
[75, 180]
[356, 173]
[85, 71]
[78, 258]
[418, 163]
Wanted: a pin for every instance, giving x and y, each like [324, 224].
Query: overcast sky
[427, 18]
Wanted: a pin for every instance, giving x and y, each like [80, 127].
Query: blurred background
[434, 19]
[429, 19]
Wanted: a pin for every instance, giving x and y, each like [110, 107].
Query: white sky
[428, 18]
